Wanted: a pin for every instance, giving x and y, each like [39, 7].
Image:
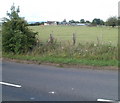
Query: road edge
[77, 66]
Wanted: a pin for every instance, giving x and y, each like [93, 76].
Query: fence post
[98, 41]
[74, 39]
[51, 38]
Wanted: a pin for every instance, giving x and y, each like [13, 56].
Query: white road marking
[9, 84]
[106, 100]
[32, 98]
[52, 92]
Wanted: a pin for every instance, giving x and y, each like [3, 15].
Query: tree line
[111, 21]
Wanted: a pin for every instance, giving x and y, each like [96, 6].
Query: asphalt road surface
[31, 82]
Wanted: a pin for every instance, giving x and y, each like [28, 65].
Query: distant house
[50, 23]
[79, 24]
[46, 23]
[63, 23]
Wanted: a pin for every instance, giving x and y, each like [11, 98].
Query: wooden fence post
[98, 41]
[74, 39]
[51, 38]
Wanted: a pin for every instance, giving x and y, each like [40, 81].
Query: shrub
[16, 36]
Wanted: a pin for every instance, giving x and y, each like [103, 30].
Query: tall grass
[67, 53]
[89, 50]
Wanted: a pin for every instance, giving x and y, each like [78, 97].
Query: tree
[64, 20]
[112, 21]
[102, 22]
[118, 21]
[71, 21]
[87, 21]
[82, 21]
[16, 36]
[97, 22]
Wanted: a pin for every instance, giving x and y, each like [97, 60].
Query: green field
[82, 54]
[83, 33]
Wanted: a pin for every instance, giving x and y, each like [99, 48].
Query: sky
[58, 10]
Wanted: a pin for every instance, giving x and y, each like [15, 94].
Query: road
[48, 83]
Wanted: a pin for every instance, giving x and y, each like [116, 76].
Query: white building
[50, 23]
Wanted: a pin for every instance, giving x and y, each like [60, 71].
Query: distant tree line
[36, 24]
[81, 21]
[111, 21]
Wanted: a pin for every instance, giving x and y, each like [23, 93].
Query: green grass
[60, 60]
[83, 33]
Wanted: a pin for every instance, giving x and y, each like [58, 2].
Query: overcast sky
[57, 10]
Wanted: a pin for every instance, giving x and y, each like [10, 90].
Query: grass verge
[90, 54]
[61, 60]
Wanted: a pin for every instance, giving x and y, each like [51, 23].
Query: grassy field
[83, 33]
[87, 51]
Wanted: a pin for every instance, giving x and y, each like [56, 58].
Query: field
[96, 46]
[83, 33]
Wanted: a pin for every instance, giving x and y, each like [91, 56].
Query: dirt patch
[78, 66]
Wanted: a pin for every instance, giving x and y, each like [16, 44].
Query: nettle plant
[16, 36]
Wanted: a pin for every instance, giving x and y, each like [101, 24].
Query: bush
[16, 37]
